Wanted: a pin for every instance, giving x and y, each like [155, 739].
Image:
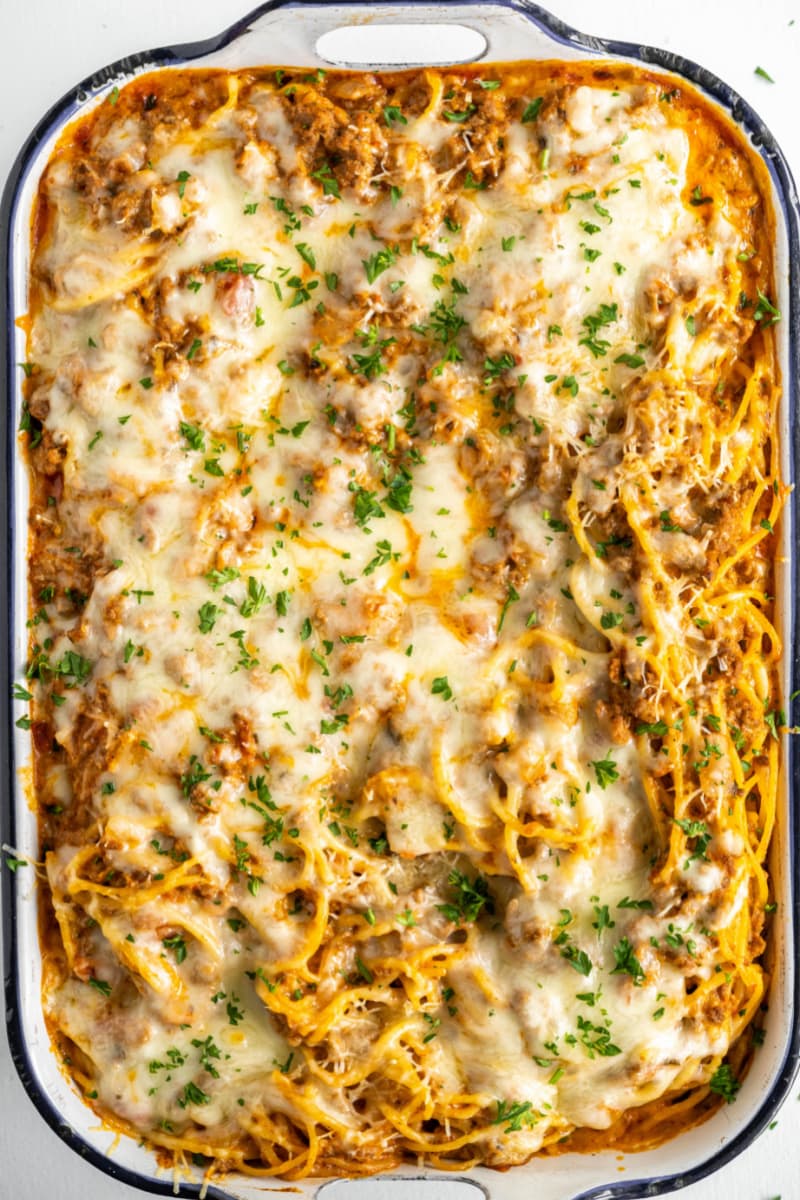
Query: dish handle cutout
[402, 1189]
[401, 45]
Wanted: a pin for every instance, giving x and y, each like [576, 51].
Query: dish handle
[490, 1186]
[384, 35]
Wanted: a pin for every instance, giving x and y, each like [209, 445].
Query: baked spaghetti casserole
[403, 677]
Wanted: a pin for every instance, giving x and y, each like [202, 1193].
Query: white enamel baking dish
[287, 32]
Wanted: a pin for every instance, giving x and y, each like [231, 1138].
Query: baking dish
[289, 33]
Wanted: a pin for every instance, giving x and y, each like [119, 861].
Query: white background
[49, 45]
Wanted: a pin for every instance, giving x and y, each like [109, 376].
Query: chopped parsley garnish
[531, 110]
[235, 1014]
[471, 897]
[194, 436]
[606, 314]
[379, 262]
[444, 322]
[627, 962]
[370, 365]
[255, 599]
[698, 832]
[365, 506]
[774, 719]
[459, 117]
[209, 1050]
[511, 597]
[230, 265]
[697, 198]
[667, 524]
[602, 918]
[335, 725]
[207, 615]
[192, 1094]
[398, 496]
[383, 556]
[307, 254]
[494, 368]
[392, 115]
[657, 728]
[217, 579]
[327, 179]
[605, 770]
[596, 1039]
[765, 311]
[576, 957]
[132, 650]
[364, 970]
[725, 1083]
[73, 666]
[196, 774]
[177, 945]
[514, 1115]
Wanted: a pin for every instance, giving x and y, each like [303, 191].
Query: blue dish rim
[558, 32]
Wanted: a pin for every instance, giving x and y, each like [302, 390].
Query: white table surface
[47, 46]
